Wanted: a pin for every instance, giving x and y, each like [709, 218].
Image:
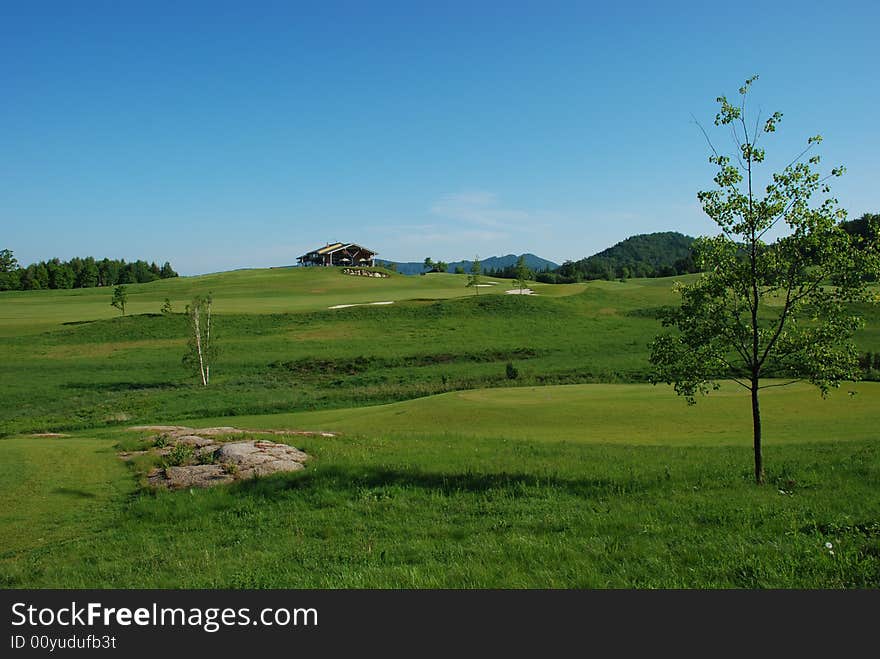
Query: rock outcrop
[175, 478]
[260, 458]
[205, 461]
[361, 272]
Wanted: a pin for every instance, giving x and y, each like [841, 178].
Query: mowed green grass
[55, 487]
[278, 290]
[445, 472]
[393, 503]
[129, 370]
[636, 414]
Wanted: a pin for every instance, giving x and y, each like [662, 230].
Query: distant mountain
[660, 254]
[534, 263]
[408, 268]
[645, 255]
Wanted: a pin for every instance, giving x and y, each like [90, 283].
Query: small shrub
[161, 441]
[512, 372]
[230, 468]
[180, 455]
[207, 457]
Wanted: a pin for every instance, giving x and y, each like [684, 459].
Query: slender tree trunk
[756, 424]
[208, 345]
[198, 337]
[756, 330]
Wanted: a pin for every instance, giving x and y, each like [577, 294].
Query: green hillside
[645, 255]
[483, 440]
[69, 360]
[628, 414]
[281, 290]
[129, 368]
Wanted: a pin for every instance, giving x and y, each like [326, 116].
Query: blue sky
[227, 135]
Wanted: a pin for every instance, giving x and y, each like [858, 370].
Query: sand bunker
[516, 291]
[360, 304]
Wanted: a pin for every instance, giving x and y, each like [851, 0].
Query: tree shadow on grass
[120, 386]
[515, 484]
[73, 493]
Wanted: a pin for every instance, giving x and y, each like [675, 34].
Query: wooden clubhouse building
[339, 254]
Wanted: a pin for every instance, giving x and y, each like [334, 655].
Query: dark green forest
[77, 273]
[866, 226]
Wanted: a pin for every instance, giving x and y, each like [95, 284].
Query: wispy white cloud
[402, 227]
[478, 207]
[440, 237]
[458, 237]
[458, 224]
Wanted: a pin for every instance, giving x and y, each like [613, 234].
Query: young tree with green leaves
[120, 298]
[781, 309]
[475, 278]
[201, 350]
[521, 274]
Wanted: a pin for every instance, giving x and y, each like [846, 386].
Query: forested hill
[645, 255]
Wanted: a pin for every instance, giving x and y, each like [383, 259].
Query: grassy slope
[121, 370]
[280, 290]
[606, 413]
[391, 510]
[485, 488]
[129, 369]
[55, 490]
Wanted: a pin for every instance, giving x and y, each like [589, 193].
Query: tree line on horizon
[78, 272]
[663, 254]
